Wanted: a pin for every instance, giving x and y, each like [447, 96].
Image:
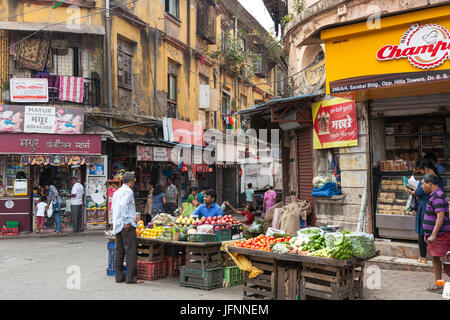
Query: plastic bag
[370, 245]
[50, 210]
[358, 242]
[280, 248]
[310, 231]
[257, 227]
[274, 232]
[187, 209]
[205, 228]
[330, 238]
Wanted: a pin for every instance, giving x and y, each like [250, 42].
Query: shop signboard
[335, 123]
[161, 154]
[183, 132]
[32, 143]
[41, 119]
[409, 49]
[29, 90]
[144, 153]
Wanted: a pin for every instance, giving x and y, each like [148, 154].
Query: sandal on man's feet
[422, 260]
[435, 288]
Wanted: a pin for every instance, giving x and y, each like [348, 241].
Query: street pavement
[46, 268]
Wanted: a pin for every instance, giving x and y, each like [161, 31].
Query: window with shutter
[125, 64]
[258, 64]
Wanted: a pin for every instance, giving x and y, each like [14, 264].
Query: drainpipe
[155, 94]
[362, 212]
[108, 60]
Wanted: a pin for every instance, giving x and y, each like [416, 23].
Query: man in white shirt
[123, 210]
[76, 204]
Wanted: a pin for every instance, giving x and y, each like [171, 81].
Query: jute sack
[269, 216]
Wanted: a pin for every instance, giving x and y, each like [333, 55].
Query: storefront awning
[265, 108]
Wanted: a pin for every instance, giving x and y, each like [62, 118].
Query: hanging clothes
[71, 89]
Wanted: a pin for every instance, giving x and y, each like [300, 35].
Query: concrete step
[399, 249]
[403, 264]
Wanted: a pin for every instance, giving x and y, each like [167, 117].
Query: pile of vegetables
[342, 248]
[314, 242]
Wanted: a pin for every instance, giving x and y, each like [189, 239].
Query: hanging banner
[335, 123]
[29, 90]
[54, 160]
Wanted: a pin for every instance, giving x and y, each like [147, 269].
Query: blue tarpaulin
[328, 190]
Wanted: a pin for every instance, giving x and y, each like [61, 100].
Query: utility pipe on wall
[108, 61]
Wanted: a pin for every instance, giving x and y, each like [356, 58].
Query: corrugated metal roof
[268, 104]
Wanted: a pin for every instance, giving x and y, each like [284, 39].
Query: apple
[209, 219]
[228, 226]
[213, 222]
[215, 218]
[203, 219]
[220, 217]
[207, 222]
[200, 223]
[216, 227]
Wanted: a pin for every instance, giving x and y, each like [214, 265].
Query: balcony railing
[91, 93]
[171, 110]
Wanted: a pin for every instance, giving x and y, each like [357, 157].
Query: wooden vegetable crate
[150, 251]
[205, 257]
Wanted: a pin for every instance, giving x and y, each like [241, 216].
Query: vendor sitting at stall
[210, 208]
[248, 213]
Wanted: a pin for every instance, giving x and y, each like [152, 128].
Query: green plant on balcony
[286, 19]
[232, 55]
[298, 6]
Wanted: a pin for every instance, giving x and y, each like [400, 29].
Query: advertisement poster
[29, 90]
[144, 153]
[160, 154]
[41, 119]
[335, 123]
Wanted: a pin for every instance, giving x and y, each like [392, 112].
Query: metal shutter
[305, 166]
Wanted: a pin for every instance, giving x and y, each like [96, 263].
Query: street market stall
[313, 265]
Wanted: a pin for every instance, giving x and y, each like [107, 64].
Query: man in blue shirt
[440, 169]
[210, 208]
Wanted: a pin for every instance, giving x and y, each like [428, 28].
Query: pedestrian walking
[269, 200]
[76, 205]
[123, 209]
[147, 217]
[56, 202]
[250, 195]
[171, 196]
[41, 213]
[436, 225]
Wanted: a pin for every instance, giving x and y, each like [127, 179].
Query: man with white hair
[123, 210]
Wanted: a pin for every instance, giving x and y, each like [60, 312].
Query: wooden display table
[300, 277]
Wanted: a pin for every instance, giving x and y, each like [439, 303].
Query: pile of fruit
[140, 228]
[226, 221]
[260, 242]
[187, 221]
[167, 234]
[152, 233]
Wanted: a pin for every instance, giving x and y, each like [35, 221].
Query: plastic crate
[201, 279]
[10, 231]
[151, 270]
[223, 234]
[233, 276]
[112, 272]
[202, 237]
[12, 224]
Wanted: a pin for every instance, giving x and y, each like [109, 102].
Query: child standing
[41, 212]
